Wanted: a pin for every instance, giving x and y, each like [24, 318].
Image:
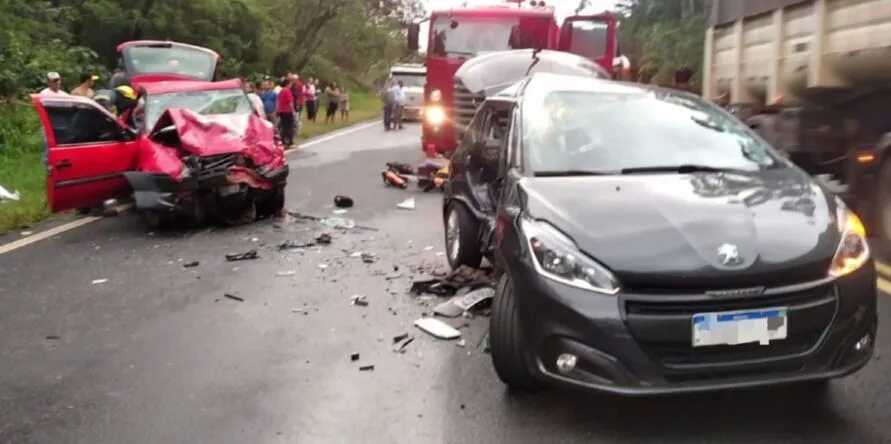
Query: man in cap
[53, 85]
[85, 89]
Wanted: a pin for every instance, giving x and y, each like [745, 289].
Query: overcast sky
[562, 7]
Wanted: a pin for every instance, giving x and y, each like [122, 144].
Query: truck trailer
[813, 78]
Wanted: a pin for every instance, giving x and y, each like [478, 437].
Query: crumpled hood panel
[209, 135]
[667, 229]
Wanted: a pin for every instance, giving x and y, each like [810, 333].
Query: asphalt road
[158, 354]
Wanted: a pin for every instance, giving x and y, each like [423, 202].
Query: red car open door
[592, 37]
[88, 150]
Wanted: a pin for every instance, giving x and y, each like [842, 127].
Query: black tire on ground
[468, 228]
[154, 220]
[272, 204]
[506, 340]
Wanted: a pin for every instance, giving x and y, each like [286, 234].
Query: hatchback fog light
[566, 362]
[863, 344]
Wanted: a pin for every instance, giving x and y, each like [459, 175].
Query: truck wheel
[506, 340]
[461, 237]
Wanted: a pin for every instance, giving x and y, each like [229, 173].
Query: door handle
[65, 163]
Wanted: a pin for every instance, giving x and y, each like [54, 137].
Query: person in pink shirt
[312, 103]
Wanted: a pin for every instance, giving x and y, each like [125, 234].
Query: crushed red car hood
[210, 135]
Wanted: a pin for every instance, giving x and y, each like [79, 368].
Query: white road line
[336, 134]
[55, 231]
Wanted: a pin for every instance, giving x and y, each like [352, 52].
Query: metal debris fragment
[233, 297]
[366, 368]
[192, 264]
[249, 255]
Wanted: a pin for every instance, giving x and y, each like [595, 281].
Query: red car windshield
[196, 63]
[470, 36]
[222, 101]
[588, 39]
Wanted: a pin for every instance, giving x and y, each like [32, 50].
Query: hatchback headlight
[435, 95]
[853, 249]
[556, 257]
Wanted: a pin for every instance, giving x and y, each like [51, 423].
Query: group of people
[393, 97]
[283, 102]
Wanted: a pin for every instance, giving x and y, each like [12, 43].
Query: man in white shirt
[399, 96]
[53, 85]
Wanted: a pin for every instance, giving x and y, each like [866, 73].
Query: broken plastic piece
[6, 195]
[366, 368]
[400, 337]
[341, 201]
[286, 273]
[460, 304]
[407, 204]
[354, 357]
[437, 328]
[338, 222]
[323, 239]
[249, 255]
[359, 300]
[191, 264]
[233, 297]
[99, 281]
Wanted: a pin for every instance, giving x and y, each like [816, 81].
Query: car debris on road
[437, 328]
[246, 256]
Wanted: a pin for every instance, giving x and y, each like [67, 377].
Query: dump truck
[813, 78]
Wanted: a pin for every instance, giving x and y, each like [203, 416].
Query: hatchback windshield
[629, 128]
[222, 101]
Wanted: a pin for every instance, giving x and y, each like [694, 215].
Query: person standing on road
[299, 90]
[311, 101]
[255, 99]
[53, 85]
[269, 98]
[344, 105]
[85, 89]
[332, 95]
[399, 106]
[389, 101]
[285, 113]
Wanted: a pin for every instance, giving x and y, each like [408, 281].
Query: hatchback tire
[462, 237]
[506, 340]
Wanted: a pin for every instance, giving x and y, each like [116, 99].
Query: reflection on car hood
[208, 135]
[666, 229]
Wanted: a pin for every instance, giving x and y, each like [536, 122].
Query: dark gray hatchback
[651, 243]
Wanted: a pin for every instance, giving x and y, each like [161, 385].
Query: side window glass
[513, 141]
[80, 123]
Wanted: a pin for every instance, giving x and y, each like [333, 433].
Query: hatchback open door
[88, 150]
[592, 37]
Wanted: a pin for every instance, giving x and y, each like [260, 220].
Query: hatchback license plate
[740, 327]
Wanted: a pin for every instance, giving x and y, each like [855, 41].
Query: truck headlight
[556, 257]
[853, 249]
[435, 95]
[434, 115]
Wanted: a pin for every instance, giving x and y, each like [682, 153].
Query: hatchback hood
[210, 135]
[666, 229]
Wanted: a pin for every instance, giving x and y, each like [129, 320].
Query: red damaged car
[198, 151]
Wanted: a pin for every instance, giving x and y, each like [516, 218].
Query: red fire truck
[458, 34]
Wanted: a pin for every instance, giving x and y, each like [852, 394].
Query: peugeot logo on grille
[728, 254]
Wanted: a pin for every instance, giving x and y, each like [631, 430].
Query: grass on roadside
[362, 107]
[21, 153]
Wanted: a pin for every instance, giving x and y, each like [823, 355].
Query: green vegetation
[351, 42]
[660, 36]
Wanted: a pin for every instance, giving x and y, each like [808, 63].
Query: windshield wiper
[680, 169]
[566, 173]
